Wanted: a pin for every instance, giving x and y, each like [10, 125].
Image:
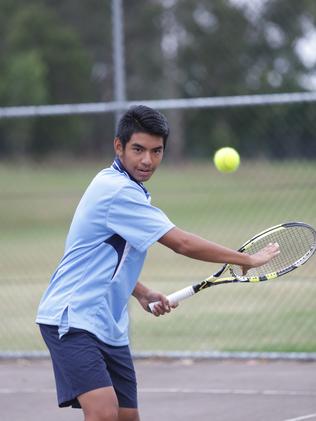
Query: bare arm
[196, 247]
[193, 246]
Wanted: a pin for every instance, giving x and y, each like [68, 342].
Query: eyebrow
[137, 145]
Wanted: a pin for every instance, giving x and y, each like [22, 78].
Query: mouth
[145, 172]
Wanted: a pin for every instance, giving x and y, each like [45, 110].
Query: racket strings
[295, 242]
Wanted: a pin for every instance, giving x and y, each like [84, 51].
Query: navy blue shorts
[82, 363]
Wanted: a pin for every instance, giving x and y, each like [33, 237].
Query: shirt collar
[118, 166]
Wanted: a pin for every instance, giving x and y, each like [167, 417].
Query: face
[141, 156]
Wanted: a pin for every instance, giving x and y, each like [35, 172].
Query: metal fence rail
[165, 104]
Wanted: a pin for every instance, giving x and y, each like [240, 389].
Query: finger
[275, 249]
[161, 308]
[244, 271]
[272, 249]
[157, 309]
[165, 304]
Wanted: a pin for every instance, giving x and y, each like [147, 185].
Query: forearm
[195, 247]
[140, 291]
[201, 249]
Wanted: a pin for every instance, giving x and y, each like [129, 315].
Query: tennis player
[83, 314]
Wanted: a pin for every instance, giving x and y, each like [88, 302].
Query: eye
[137, 149]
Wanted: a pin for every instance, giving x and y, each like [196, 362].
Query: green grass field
[36, 207]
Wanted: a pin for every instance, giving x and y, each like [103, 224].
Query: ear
[118, 147]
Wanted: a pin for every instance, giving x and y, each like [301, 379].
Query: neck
[117, 165]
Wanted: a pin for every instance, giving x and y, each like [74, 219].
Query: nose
[146, 158]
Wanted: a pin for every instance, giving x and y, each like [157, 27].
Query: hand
[262, 257]
[162, 307]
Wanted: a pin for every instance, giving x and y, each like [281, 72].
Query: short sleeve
[132, 217]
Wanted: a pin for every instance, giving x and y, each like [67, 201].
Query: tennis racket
[297, 242]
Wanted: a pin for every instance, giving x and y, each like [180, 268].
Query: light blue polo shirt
[113, 226]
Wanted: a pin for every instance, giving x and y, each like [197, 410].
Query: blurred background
[226, 73]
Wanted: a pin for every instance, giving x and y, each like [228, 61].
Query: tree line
[55, 52]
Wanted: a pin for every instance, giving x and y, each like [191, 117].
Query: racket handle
[177, 296]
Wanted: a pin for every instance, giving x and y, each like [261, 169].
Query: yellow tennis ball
[226, 160]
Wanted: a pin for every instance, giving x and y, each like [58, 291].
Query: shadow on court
[177, 390]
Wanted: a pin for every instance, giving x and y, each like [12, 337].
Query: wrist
[248, 259]
[140, 291]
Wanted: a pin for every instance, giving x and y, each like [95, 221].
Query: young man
[83, 314]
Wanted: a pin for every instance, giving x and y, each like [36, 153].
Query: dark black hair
[142, 119]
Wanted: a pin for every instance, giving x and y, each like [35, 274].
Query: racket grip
[177, 296]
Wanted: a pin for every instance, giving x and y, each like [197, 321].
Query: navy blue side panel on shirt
[118, 243]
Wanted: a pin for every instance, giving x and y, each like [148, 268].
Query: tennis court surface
[186, 390]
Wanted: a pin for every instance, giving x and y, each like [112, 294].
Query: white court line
[27, 390]
[304, 417]
[195, 391]
[228, 391]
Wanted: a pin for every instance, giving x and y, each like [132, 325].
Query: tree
[53, 51]
[44, 63]
[224, 50]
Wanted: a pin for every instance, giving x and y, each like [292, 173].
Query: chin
[143, 177]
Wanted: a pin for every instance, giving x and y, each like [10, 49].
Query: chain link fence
[37, 204]
[239, 74]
